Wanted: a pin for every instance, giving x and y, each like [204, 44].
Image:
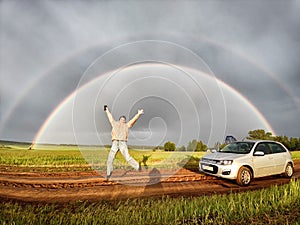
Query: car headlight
[225, 162]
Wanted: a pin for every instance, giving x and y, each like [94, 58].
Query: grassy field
[69, 155]
[65, 158]
[296, 155]
[275, 205]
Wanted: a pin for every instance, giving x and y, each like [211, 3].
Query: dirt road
[72, 186]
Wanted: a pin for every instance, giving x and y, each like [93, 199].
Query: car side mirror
[259, 153]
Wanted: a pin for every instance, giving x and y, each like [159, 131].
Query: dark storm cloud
[46, 46]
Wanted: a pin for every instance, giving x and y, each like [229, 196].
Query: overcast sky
[49, 49]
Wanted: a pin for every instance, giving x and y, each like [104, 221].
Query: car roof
[256, 141]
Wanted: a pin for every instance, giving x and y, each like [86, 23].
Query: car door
[279, 157]
[262, 164]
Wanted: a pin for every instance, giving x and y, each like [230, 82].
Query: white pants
[116, 145]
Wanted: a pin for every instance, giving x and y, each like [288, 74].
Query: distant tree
[181, 149]
[284, 140]
[192, 145]
[290, 143]
[195, 145]
[157, 148]
[169, 146]
[200, 146]
[293, 143]
[259, 134]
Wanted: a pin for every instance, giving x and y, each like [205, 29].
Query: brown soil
[92, 186]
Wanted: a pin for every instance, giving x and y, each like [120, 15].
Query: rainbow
[252, 61]
[69, 98]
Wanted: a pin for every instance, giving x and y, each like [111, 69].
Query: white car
[244, 160]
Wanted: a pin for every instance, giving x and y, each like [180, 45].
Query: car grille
[209, 161]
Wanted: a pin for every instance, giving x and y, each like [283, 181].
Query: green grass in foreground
[275, 205]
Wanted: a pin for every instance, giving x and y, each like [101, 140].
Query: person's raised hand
[140, 111]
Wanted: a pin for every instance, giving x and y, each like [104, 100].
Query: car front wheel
[244, 176]
[289, 170]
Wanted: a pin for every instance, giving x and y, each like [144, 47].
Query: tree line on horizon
[291, 143]
[193, 146]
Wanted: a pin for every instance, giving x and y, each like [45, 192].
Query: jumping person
[119, 136]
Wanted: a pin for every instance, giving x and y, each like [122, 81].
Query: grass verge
[275, 205]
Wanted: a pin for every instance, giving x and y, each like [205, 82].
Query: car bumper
[224, 171]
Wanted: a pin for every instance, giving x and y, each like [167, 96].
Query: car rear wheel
[244, 176]
[289, 170]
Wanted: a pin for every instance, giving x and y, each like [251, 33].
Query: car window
[238, 147]
[276, 148]
[263, 147]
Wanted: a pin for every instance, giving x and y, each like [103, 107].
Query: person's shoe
[108, 177]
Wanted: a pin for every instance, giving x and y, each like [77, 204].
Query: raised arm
[135, 118]
[109, 116]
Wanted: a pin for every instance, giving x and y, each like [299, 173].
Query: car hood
[223, 156]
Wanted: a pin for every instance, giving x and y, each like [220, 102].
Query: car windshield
[238, 147]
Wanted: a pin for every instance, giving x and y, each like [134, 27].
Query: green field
[62, 158]
[275, 205]
[296, 155]
[58, 158]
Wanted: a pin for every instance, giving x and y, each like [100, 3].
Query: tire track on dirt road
[66, 187]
